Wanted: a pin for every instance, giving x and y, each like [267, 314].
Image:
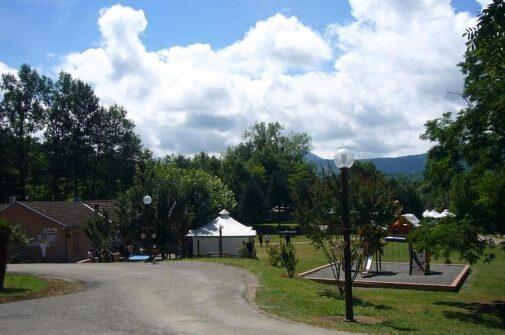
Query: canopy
[230, 227]
[411, 218]
[436, 215]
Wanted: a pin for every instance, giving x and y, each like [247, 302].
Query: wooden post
[198, 247]
[410, 259]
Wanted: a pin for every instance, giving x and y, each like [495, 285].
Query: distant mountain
[412, 165]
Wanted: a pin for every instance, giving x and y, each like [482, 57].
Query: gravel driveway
[139, 298]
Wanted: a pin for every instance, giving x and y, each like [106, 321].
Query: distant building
[55, 227]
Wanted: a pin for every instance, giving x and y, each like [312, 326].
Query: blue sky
[193, 75]
[39, 32]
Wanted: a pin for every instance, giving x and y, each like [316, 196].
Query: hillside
[412, 165]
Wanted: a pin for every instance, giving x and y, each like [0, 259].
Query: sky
[193, 75]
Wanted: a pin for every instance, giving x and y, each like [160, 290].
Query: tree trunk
[3, 264]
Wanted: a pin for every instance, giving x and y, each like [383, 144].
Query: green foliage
[183, 199]
[288, 259]
[443, 237]
[101, 232]
[465, 167]
[274, 255]
[372, 209]
[258, 170]
[86, 149]
[408, 195]
[12, 235]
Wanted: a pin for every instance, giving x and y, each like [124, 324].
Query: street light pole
[220, 241]
[344, 159]
[349, 315]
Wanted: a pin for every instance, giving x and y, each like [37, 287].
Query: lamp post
[147, 201]
[344, 159]
[220, 241]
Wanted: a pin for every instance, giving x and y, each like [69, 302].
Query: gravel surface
[399, 272]
[141, 298]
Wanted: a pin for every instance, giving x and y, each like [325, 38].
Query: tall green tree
[22, 113]
[466, 166]
[267, 159]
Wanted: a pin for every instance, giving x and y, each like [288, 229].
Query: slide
[368, 267]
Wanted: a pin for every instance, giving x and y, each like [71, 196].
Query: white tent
[234, 234]
[436, 215]
[412, 219]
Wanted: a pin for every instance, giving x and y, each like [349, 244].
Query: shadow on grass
[391, 324]
[491, 315]
[334, 294]
[13, 290]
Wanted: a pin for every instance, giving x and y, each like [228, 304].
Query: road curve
[138, 298]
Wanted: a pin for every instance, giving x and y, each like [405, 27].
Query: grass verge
[478, 308]
[23, 286]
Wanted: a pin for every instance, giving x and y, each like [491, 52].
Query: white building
[234, 236]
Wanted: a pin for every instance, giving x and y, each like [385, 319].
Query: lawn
[479, 307]
[23, 286]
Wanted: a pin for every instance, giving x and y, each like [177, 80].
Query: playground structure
[397, 264]
[397, 249]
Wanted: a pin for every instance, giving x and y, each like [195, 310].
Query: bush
[274, 255]
[288, 259]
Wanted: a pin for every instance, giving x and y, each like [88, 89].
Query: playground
[395, 264]
[442, 277]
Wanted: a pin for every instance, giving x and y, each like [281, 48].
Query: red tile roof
[68, 213]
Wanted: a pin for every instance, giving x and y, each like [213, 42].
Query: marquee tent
[436, 215]
[234, 236]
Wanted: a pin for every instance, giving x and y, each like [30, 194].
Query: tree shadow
[491, 315]
[334, 294]
[13, 290]
[390, 324]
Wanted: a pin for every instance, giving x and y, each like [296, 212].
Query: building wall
[41, 229]
[231, 245]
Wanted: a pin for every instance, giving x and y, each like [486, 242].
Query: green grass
[20, 285]
[23, 286]
[479, 307]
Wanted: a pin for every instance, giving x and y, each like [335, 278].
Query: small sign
[50, 230]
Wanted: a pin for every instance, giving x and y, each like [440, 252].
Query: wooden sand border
[453, 287]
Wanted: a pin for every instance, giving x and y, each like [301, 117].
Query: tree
[266, 159]
[318, 209]
[443, 237]
[251, 205]
[22, 111]
[101, 232]
[9, 235]
[288, 259]
[469, 151]
[183, 199]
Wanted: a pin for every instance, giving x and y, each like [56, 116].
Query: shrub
[274, 255]
[288, 259]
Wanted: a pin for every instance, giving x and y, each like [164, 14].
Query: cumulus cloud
[4, 68]
[392, 67]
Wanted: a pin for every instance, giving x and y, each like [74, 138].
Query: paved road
[126, 298]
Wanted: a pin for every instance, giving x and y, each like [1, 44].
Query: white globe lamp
[147, 200]
[344, 159]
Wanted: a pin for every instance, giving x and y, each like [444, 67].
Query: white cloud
[4, 68]
[392, 68]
